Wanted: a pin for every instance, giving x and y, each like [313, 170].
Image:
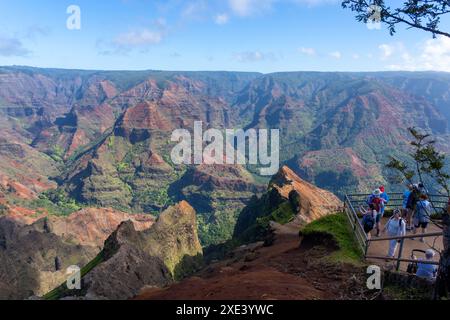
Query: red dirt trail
[279, 272]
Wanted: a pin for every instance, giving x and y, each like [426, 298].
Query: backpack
[412, 200]
[369, 220]
[376, 202]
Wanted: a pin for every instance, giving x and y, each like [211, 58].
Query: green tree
[419, 14]
[427, 161]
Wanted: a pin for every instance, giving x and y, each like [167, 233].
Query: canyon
[86, 176]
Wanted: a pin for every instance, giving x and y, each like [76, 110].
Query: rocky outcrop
[29, 254]
[126, 268]
[289, 200]
[132, 259]
[310, 202]
[92, 226]
[35, 255]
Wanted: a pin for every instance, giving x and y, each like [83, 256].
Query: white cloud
[10, 47]
[245, 8]
[355, 56]
[221, 19]
[387, 51]
[194, 9]
[431, 55]
[436, 54]
[139, 38]
[336, 54]
[307, 51]
[253, 56]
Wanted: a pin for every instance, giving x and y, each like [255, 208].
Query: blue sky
[239, 35]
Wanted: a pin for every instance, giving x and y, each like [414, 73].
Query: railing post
[400, 252]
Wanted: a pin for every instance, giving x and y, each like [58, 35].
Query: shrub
[338, 228]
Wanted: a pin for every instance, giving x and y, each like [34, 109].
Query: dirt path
[380, 248]
[282, 271]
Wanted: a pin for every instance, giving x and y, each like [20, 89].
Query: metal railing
[402, 239]
[355, 222]
[396, 200]
[353, 201]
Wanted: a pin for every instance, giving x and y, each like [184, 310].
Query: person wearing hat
[425, 270]
[376, 201]
[384, 196]
[395, 227]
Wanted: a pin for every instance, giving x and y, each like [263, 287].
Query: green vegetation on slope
[54, 202]
[282, 215]
[252, 226]
[335, 226]
[253, 222]
[216, 232]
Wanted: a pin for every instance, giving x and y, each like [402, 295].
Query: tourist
[407, 213]
[369, 220]
[413, 198]
[384, 196]
[377, 202]
[422, 215]
[395, 227]
[425, 270]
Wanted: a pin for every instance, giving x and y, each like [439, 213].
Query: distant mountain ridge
[104, 136]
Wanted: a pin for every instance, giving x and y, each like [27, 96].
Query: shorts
[368, 229]
[422, 225]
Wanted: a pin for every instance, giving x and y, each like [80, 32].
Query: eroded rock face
[134, 259]
[172, 238]
[34, 255]
[310, 202]
[24, 171]
[93, 226]
[289, 200]
[28, 255]
[125, 273]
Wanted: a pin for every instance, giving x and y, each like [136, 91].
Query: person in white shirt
[395, 227]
